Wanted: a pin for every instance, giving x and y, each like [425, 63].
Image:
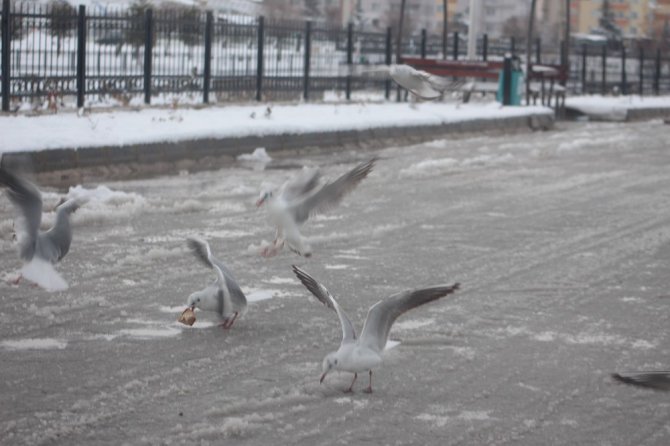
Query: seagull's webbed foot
[351, 387]
[17, 280]
[228, 323]
[368, 389]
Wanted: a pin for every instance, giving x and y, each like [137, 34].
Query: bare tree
[281, 10]
[313, 9]
[62, 21]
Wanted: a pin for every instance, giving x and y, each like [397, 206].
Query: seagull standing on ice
[223, 296]
[298, 198]
[39, 250]
[357, 355]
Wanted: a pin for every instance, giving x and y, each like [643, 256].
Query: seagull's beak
[323, 377]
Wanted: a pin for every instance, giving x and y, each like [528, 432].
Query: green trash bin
[517, 85]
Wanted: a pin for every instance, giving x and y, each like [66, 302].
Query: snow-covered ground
[614, 108]
[559, 240]
[119, 128]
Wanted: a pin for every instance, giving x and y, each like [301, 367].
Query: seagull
[39, 250]
[654, 380]
[360, 354]
[223, 296]
[418, 82]
[298, 198]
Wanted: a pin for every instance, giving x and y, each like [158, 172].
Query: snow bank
[122, 128]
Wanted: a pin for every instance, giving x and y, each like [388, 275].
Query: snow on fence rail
[117, 56]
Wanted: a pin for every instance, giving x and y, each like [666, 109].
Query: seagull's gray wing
[659, 380]
[321, 293]
[28, 201]
[423, 84]
[330, 194]
[302, 184]
[54, 244]
[226, 286]
[382, 314]
[415, 81]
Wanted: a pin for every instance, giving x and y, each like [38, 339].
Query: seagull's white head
[330, 362]
[267, 192]
[195, 299]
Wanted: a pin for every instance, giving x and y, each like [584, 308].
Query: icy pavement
[560, 241]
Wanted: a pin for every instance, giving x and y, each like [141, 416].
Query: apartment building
[631, 17]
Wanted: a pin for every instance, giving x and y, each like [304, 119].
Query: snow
[259, 155]
[34, 344]
[122, 128]
[614, 108]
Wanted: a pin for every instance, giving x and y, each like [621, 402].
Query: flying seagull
[297, 199]
[360, 354]
[39, 250]
[418, 82]
[654, 380]
[224, 295]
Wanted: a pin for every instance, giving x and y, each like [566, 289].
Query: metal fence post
[513, 45]
[308, 51]
[260, 58]
[657, 72]
[583, 68]
[641, 75]
[485, 47]
[350, 57]
[207, 75]
[507, 80]
[148, 45]
[455, 45]
[538, 50]
[424, 37]
[389, 59]
[81, 56]
[5, 58]
[624, 80]
[603, 86]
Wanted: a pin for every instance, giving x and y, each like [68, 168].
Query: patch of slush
[336, 266]
[227, 233]
[276, 280]
[391, 344]
[103, 203]
[257, 295]
[34, 344]
[434, 167]
[413, 324]
[149, 332]
[259, 155]
[354, 403]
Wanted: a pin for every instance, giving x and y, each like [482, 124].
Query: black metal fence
[55, 51]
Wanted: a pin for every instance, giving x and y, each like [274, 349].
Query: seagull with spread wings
[361, 354]
[300, 197]
[39, 250]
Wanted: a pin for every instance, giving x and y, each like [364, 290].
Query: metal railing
[128, 56]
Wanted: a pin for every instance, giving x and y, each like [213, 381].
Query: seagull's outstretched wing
[321, 293]
[382, 314]
[301, 185]
[420, 83]
[28, 201]
[203, 252]
[659, 380]
[331, 194]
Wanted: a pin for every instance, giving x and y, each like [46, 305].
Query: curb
[163, 157]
